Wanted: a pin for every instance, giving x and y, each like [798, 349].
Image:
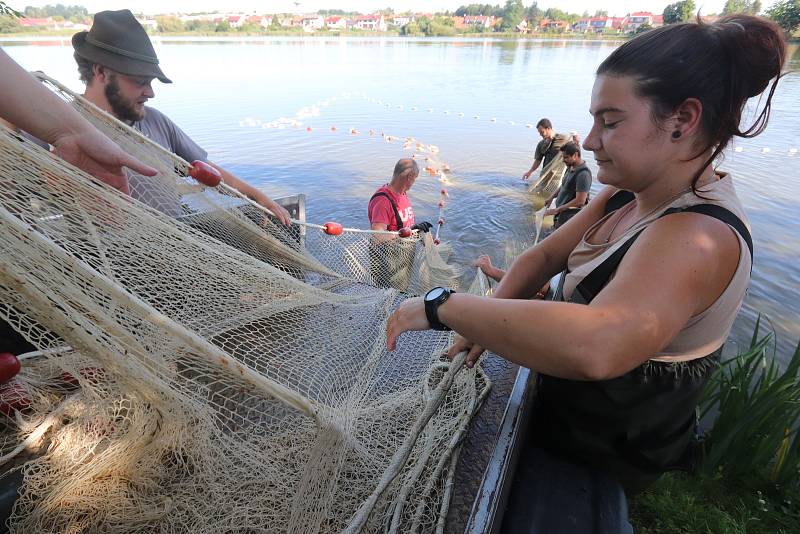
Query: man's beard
[123, 109]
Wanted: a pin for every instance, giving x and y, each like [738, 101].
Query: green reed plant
[755, 434]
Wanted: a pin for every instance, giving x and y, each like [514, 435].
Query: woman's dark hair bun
[758, 47]
[721, 64]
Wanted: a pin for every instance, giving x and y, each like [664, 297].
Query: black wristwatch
[433, 299]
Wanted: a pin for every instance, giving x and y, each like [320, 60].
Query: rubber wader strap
[394, 207]
[594, 282]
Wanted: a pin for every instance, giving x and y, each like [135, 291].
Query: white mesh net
[212, 371]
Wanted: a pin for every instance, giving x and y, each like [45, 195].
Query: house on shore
[371, 22]
[311, 23]
[336, 23]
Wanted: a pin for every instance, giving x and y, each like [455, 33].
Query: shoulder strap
[394, 207]
[722, 214]
[617, 200]
[595, 281]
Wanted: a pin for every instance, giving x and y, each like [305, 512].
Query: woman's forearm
[556, 338]
[32, 107]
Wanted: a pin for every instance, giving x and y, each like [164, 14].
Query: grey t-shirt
[576, 180]
[159, 128]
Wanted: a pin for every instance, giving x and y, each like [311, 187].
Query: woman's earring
[676, 134]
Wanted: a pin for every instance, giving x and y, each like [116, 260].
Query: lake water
[226, 89]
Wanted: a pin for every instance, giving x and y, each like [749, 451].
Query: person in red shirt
[389, 210]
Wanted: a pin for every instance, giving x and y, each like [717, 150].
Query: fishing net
[201, 368]
[412, 264]
[548, 183]
[543, 189]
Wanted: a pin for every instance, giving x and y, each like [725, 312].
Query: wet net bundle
[548, 183]
[211, 376]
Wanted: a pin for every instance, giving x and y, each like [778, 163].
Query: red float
[333, 228]
[404, 232]
[205, 173]
[13, 398]
[9, 366]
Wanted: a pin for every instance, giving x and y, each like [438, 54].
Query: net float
[441, 203]
[404, 232]
[13, 398]
[436, 241]
[68, 381]
[205, 173]
[441, 222]
[9, 366]
[444, 192]
[332, 228]
[309, 129]
[333, 128]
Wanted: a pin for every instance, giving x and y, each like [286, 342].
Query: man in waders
[390, 210]
[547, 148]
[573, 193]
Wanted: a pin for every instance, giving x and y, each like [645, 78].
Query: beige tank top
[706, 332]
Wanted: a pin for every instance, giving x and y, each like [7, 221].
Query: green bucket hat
[119, 42]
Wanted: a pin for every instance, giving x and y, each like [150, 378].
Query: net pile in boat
[188, 385]
[411, 265]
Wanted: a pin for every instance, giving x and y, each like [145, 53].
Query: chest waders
[639, 425]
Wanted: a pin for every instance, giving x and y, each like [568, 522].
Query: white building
[371, 22]
[312, 23]
[336, 23]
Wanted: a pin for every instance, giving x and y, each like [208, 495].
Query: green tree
[478, 9]
[9, 24]
[533, 13]
[169, 25]
[642, 28]
[786, 14]
[6, 11]
[741, 6]
[58, 10]
[555, 14]
[601, 13]
[250, 27]
[513, 13]
[223, 26]
[201, 26]
[679, 12]
[412, 28]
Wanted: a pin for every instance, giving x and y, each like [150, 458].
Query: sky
[614, 7]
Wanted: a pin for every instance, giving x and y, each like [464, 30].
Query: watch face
[434, 293]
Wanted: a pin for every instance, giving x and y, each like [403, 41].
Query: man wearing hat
[117, 63]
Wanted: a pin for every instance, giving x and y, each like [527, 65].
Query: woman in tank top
[657, 263]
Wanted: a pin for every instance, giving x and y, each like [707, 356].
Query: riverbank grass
[748, 479]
